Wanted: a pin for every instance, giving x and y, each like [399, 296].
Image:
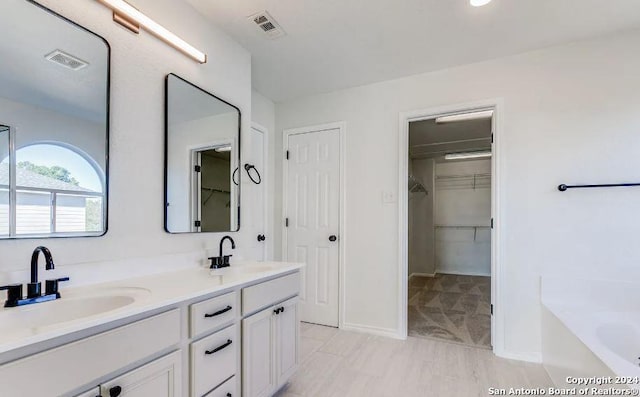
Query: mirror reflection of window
[58, 190]
[54, 100]
[4, 181]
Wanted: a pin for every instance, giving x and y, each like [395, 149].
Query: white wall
[460, 202]
[138, 67]
[421, 231]
[570, 115]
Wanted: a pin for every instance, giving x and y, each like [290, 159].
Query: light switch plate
[388, 197]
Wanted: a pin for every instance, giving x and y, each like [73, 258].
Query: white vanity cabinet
[240, 341]
[270, 337]
[160, 378]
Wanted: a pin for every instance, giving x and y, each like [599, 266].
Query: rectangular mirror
[54, 125]
[202, 154]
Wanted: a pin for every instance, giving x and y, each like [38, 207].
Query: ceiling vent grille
[268, 26]
[66, 60]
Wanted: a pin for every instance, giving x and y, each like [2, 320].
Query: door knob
[333, 238]
[115, 391]
[261, 237]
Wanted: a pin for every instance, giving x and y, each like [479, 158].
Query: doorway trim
[497, 212]
[266, 180]
[341, 126]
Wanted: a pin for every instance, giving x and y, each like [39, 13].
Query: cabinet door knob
[115, 391]
[261, 237]
[333, 238]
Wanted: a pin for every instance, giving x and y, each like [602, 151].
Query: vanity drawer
[227, 389]
[214, 359]
[265, 294]
[213, 313]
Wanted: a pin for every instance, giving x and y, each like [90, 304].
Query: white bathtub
[591, 328]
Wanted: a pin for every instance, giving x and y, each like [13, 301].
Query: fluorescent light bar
[479, 3]
[484, 114]
[467, 155]
[129, 12]
[223, 149]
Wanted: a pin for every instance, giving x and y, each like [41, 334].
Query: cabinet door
[160, 378]
[287, 335]
[258, 376]
[95, 392]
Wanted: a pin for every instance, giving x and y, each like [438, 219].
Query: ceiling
[428, 139]
[28, 34]
[335, 44]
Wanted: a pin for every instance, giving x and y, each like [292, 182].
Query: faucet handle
[51, 286]
[14, 294]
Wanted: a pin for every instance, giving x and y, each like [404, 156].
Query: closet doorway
[449, 227]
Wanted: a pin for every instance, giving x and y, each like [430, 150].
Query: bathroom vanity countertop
[19, 326]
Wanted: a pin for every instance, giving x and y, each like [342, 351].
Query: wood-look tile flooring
[351, 364]
[453, 307]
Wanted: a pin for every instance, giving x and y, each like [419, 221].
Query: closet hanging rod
[564, 187]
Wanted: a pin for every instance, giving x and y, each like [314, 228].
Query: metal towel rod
[564, 187]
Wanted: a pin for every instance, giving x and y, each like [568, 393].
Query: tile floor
[456, 308]
[350, 364]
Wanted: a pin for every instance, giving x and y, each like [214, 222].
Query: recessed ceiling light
[479, 3]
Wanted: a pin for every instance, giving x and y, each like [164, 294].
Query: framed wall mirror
[54, 125]
[202, 155]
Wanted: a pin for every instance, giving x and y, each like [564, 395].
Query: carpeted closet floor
[451, 307]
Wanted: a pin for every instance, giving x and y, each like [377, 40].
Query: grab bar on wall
[564, 187]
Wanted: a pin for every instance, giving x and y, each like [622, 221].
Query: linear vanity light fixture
[129, 17]
[467, 155]
[483, 114]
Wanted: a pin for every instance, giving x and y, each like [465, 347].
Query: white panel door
[257, 194]
[312, 210]
[161, 378]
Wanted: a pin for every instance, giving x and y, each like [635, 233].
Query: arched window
[59, 190]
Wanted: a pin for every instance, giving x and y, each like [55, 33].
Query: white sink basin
[72, 306]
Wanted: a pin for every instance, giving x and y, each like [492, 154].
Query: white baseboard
[387, 332]
[532, 357]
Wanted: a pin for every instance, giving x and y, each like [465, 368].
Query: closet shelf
[466, 181]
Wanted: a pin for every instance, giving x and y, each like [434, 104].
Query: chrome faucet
[34, 288]
[222, 260]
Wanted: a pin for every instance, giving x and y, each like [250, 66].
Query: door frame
[341, 126]
[265, 174]
[497, 212]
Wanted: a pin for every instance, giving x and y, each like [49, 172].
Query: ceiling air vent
[268, 26]
[66, 60]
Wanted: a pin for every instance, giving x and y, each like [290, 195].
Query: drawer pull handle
[217, 349]
[219, 312]
[278, 310]
[115, 391]
[229, 395]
